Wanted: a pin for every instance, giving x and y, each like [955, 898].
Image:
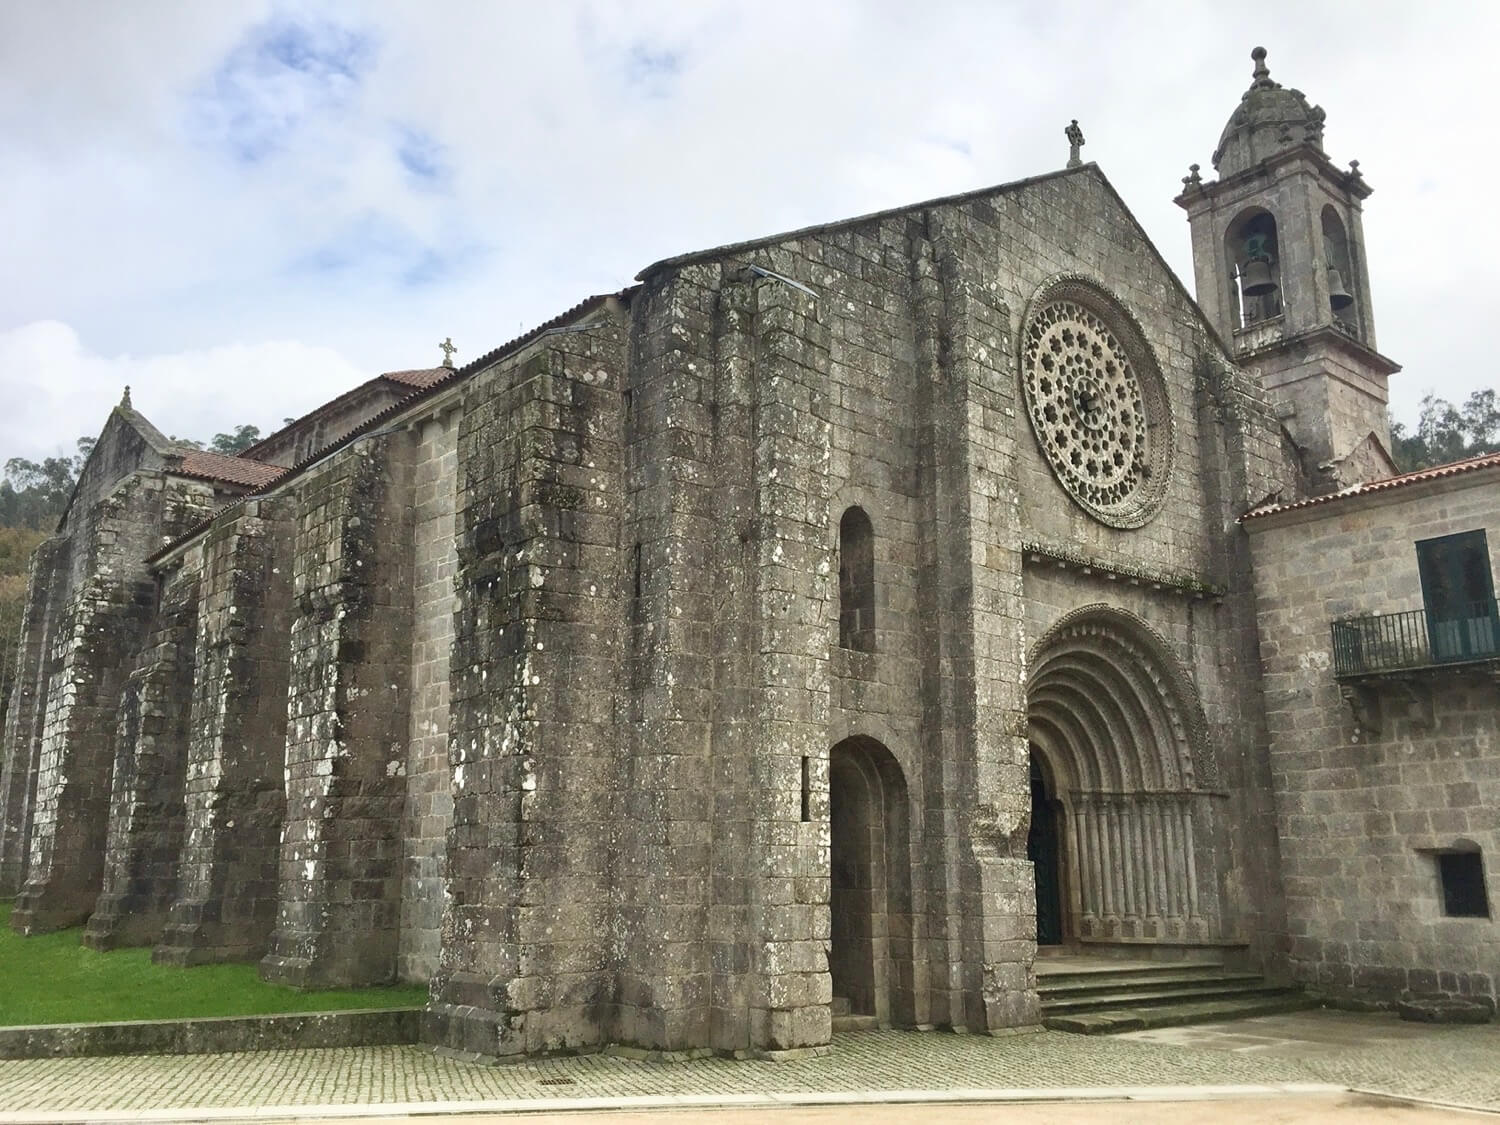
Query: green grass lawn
[52, 978]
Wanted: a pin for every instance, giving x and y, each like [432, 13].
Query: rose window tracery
[1096, 403]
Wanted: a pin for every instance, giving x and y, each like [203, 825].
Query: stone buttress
[529, 929]
[23, 720]
[347, 729]
[974, 751]
[234, 799]
[146, 807]
[93, 644]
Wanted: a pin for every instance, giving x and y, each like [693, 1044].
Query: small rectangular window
[806, 789]
[1462, 877]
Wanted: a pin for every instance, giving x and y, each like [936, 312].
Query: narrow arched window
[856, 581]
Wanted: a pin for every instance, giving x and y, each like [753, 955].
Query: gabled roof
[396, 381]
[424, 382]
[1088, 170]
[421, 378]
[208, 465]
[1437, 472]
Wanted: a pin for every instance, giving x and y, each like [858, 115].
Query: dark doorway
[851, 959]
[1044, 851]
[1458, 593]
[869, 896]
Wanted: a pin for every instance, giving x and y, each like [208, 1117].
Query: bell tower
[1279, 259]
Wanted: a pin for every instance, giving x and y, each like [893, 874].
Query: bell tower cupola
[1279, 260]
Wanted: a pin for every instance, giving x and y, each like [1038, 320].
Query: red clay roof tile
[1437, 472]
[234, 470]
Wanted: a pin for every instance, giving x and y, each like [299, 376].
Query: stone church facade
[818, 624]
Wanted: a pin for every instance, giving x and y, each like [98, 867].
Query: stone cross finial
[1075, 142]
[447, 349]
[1262, 74]
[125, 398]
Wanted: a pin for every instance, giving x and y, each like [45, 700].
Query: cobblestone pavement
[1452, 1065]
[1326, 1109]
[1457, 1065]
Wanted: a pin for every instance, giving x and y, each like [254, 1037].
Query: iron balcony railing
[1392, 642]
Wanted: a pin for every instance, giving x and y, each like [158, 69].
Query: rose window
[1097, 406]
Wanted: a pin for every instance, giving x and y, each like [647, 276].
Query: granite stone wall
[1375, 778]
[234, 794]
[538, 690]
[28, 704]
[429, 777]
[529, 934]
[147, 814]
[348, 721]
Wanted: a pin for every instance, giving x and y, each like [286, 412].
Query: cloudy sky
[243, 207]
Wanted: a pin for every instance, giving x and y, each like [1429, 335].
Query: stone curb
[361, 1027]
[681, 1101]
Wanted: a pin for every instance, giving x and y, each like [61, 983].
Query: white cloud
[56, 389]
[367, 179]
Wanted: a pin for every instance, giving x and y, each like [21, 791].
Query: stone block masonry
[1376, 778]
[528, 933]
[534, 688]
[348, 722]
[94, 640]
[429, 777]
[24, 718]
[234, 794]
[147, 811]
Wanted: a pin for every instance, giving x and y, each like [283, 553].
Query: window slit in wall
[636, 565]
[806, 789]
[856, 581]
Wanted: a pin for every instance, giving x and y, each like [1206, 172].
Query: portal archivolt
[1121, 744]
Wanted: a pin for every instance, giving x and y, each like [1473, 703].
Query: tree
[240, 440]
[1447, 433]
[16, 545]
[35, 493]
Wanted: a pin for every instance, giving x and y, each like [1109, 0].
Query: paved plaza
[1447, 1065]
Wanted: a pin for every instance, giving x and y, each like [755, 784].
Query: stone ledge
[365, 1027]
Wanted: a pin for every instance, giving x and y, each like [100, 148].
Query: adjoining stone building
[816, 625]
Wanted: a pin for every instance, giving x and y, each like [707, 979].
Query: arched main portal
[870, 953]
[1116, 730]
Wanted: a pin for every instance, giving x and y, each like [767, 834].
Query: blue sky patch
[653, 69]
[423, 157]
[279, 76]
[379, 248]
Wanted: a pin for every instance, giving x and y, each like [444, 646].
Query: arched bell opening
[1340, 271]
[871, 943]
[1253, 255]
[1118, 765]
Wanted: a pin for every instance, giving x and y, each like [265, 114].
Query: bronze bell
[1339, 298]
[1256, 279]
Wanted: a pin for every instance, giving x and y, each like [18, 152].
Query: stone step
[855, 1023]
[1178, 969]
[1134, 998]
[1115, 1020]
[1049, 989]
